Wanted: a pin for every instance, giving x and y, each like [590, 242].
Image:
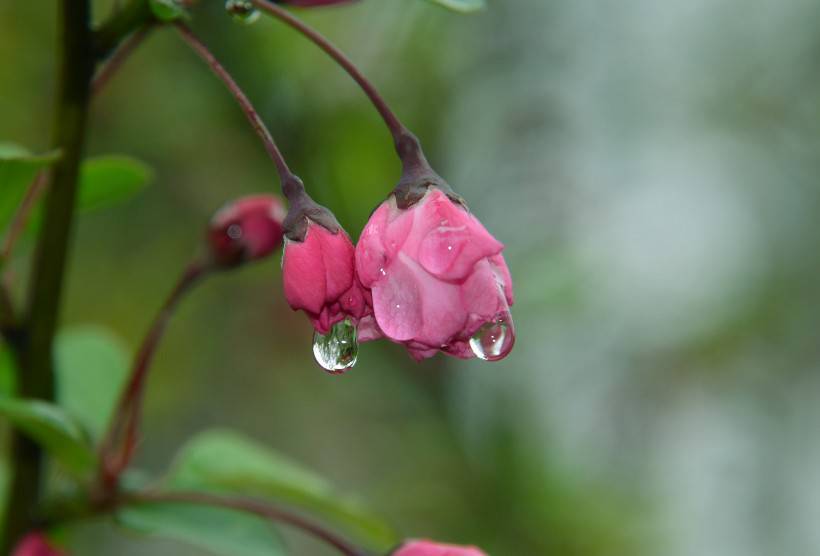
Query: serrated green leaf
[105, 180]
[92, 366]
[224, 461]
[167, 10]
[218, 530]
[52, 428]
[463, 6]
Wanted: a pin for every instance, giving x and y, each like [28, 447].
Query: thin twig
[118, 447]
[258, 125]
[20, 218]
[257, 508]
[118, 57]
[397, 129]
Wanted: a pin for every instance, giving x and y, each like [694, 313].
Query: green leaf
[105, 180]
[224, 461]
[52, 428]
[167, 10]
[92, 365]
[463, 6]
[218, 530]
[17, 170]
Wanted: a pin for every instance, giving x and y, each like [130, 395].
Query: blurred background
[652, 168]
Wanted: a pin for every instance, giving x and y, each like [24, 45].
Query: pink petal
[482, 294]
[338, 259]
[448, 239]
[371, 257]
[430, 548]
[503, 272]
[443, 314]
[451, 253]
[397, 303]
[368, 329]
[303, 274]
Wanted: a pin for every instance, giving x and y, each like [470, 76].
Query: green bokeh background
[651, 166]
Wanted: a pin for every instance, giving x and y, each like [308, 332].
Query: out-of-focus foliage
[218, 530]
[652, 168]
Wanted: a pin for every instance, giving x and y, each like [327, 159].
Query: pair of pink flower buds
[36, 544]
[428, 275]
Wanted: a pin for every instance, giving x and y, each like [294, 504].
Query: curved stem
[399, 132]
[119, 56]
[18, 221]
[285, 175]
[118, 447]
[257, 508]
[133, 15]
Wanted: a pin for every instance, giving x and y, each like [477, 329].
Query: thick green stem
[40, 320]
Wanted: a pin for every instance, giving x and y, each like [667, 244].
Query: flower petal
[303, 273]
[397, 303]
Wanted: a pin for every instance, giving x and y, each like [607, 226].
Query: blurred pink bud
[319, 278]
[247, 229]
[430, 548]
[35, 544]
[438, 279]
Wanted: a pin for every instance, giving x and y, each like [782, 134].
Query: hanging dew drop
[338, 350]
[242, 11]
[494, 340]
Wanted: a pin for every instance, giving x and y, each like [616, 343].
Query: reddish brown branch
[118, 447]
[285, 175]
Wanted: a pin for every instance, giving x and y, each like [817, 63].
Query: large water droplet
[242, 11]
[338, 350]
[494, 340]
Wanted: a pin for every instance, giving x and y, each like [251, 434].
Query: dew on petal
[242, 11]
[494, 340]
[337, 351]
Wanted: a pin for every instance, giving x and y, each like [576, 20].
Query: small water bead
[243, 11]
[494, 340]
[235, 231]
[338, 350]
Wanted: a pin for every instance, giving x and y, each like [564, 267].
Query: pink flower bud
[35, 544]
[438, 279]
[430, 548]
[247, 229]
[319, 278]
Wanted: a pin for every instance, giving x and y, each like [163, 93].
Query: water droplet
[243, 11]
[235, 231]
[494, 340]
[383, 272]
[338, 350]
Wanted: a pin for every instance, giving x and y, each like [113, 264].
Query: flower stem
[37, 376]
[119, 56]
[257, 508]
[135, 14]
[118, 447]
[407, 145]
[18, 222]
[285, 174]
